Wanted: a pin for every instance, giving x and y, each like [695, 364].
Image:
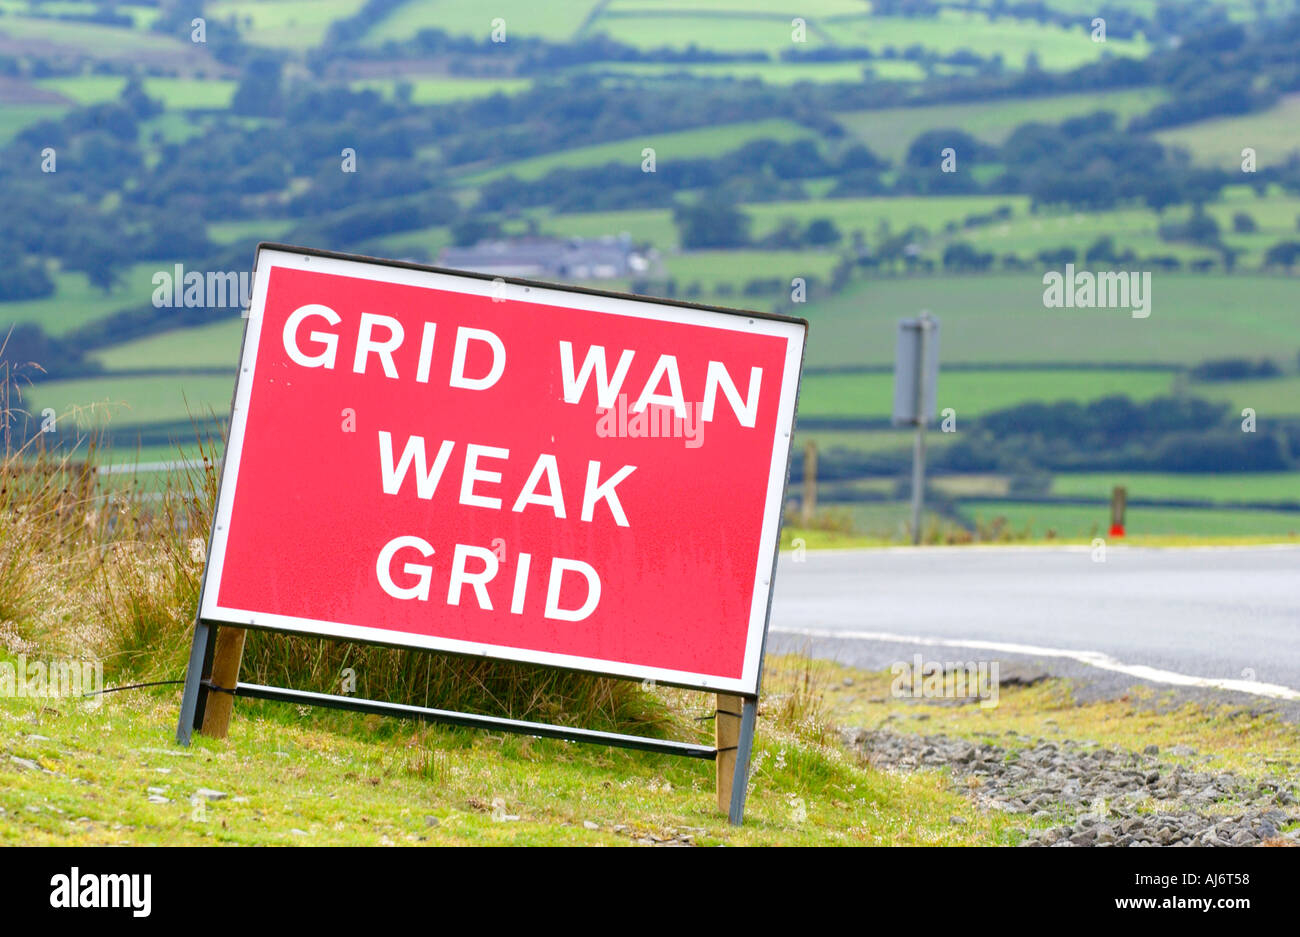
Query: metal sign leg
[744, 746]
[918, 483]
[200, 652]
[922, 416]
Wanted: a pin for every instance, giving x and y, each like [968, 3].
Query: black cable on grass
[133, 686]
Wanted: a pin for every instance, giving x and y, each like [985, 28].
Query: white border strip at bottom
[1092, 658]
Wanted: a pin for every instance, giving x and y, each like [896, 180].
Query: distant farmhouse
[603, 258]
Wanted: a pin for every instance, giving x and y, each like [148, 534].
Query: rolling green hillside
[1000, 318]
[237, 139]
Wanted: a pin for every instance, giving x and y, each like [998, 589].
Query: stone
[1092, 790]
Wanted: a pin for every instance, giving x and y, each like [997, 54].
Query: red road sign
[441, 460]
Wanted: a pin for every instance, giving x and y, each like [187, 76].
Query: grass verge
[294, 776]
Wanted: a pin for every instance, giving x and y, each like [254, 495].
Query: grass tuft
[108, 567]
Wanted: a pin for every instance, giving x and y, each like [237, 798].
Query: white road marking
[1111, 546]
[1092, 658]
[129, 468]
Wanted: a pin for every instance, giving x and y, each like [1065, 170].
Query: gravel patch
[1095, 796]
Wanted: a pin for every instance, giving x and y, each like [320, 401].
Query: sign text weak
[424, 458]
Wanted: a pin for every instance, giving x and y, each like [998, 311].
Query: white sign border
[270, 256]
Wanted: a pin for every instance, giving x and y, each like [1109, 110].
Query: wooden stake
[1118, 507]
[226, 656]
[726, 728]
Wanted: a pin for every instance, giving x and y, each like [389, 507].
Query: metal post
[193, 680]
[809, 503]
[473, 720]
[744, 747]
[918, 447]
[918, 481]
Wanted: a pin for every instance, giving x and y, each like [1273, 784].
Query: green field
[885, 519]
[228, 232]
[100, 42]
[1001, 317]
[1274, 134]
[171, 127]
[865, 440]
[14, 117]
[425, 242]
[682, 144]
[647, 224]
[1268, 398]
[175, 93]
[143, 15]
[555, 21]
[1057, 49]
[868, 214]
[1238, 10]
[426, 89]
[787, 9]
[1241, 488]
[711, 268]
[972, 393]
[133, 401]
[1276, 208]
[75, 302]
[735, 26]
[656, 227]
[647, 28]
[889, 132]
[890, 519]
[1070, 521]
[205, 346]
[848, 214]
[1138, 229]
[286, 24]
[771, 72]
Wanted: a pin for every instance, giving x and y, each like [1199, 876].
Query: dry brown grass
[794, 698]
[112, 572]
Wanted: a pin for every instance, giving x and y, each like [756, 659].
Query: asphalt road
[1206, 621]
